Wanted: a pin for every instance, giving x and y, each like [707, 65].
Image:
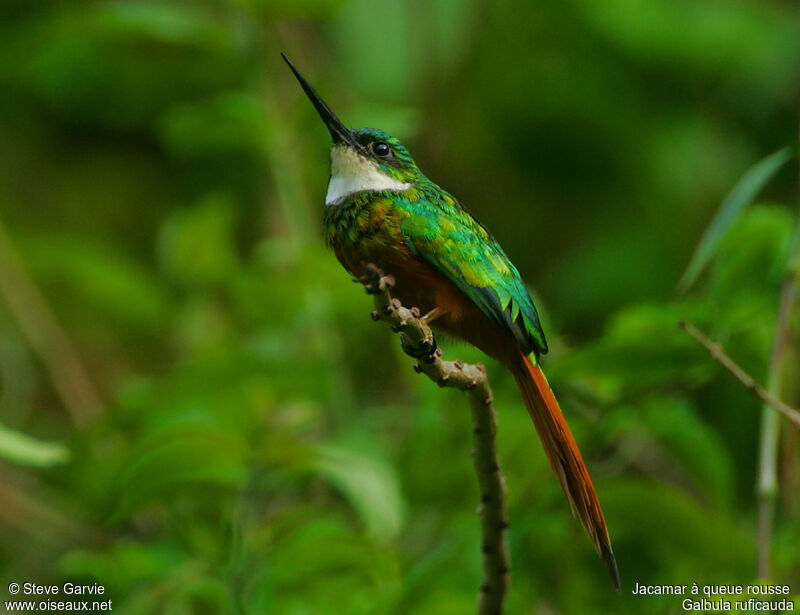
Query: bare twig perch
[418, 342]
[742, 376]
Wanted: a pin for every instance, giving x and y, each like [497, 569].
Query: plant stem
[418, 342]
[719, 354]
[767, 482]
[39, 326]
[767, 485]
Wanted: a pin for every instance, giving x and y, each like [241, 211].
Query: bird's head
[364, 159]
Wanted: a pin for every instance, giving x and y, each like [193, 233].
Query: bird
[381, 210]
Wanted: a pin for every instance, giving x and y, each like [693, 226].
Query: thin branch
[767, 483]
[418, 342]
[718, 353]
[40, 327]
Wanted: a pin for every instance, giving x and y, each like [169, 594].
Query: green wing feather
[448, 237]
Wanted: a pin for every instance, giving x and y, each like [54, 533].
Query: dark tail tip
[607, 555]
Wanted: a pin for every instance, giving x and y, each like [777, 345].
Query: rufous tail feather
[565, 458]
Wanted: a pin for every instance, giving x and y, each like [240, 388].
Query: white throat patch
[351, 173]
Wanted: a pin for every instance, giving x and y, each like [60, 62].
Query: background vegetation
[197, 411]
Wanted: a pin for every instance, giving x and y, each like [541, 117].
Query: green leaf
[362, 576]
[743, 193]
[98, 278]
[354, 30]
[692, 444]
[21, 448]
[369, 483]
[751, 260]
[127, 565]
[227, 122]
[169, 23]
[196, 245]
[665, 521]
[180, 456]
[626, 361]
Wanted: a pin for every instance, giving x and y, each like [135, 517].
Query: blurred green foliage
[265, 448]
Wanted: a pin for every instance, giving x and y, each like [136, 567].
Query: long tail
[565, 458]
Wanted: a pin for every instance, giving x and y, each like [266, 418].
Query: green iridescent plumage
[435, 227]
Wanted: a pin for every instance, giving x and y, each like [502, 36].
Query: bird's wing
[452, 240]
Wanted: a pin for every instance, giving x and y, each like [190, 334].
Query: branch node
[423, 351]
[400, 326]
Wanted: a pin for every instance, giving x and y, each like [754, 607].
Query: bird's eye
[381, 149]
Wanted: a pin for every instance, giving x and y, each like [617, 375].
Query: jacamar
[381, 209]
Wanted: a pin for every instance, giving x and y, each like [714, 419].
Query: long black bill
[339, 132]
